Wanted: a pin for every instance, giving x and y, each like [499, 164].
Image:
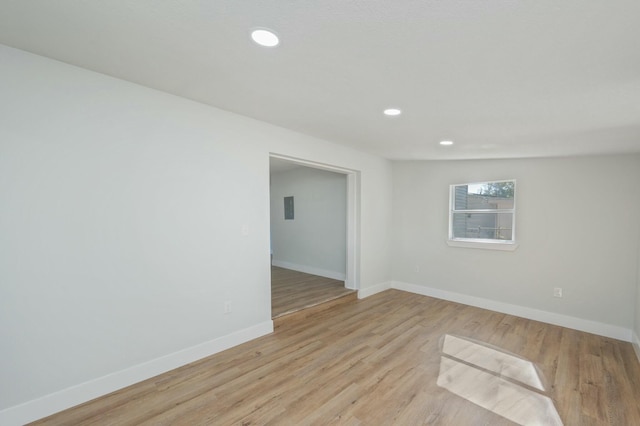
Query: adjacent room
[359, 212]
[308, 238]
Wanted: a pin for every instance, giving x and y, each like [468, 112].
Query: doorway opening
[314, 234]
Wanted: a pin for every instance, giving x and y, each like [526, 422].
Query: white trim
[335, 275]
[312, 164]
[352, 278]
[602, 329]
[505, 246]
[70, 397]
[370, 291]
[636, 345]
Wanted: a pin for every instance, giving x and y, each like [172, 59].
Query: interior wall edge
[75, 395]
[371, 290]
[580, 324]
[636, 345]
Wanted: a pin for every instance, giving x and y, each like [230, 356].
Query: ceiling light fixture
[264, 37]
[392, 112]
[446, 143]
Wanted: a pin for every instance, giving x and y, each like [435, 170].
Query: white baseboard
[370, 291]
[602, 329]
[70, 397]
[340, 276]
[636, 344]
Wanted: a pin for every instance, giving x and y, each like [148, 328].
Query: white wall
[577, 227]
[315, 240]
[636, 335]
[121, 216]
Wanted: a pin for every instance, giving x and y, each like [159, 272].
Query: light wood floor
[292, 291]
[377, 361]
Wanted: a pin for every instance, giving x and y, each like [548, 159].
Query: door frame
[352, 280]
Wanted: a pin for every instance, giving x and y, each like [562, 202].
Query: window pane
[491, 195]
[488, 226]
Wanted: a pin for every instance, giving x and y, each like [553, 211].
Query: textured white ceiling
[500, 78]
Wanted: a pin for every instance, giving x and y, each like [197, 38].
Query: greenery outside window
[483, 213]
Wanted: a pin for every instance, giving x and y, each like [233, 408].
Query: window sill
[503, 246]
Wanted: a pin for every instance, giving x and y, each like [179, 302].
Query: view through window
[483, 212]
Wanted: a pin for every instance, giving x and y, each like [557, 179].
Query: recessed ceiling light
[265, 38]
[392, 111]
[446, 143]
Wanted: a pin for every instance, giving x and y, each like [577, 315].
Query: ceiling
[502, 79]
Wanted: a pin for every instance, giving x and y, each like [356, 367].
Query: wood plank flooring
[292, 291]
[379, 361]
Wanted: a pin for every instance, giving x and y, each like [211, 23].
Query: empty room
[180, 180]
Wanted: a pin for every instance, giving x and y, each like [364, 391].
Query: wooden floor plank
[292, 291]
[376, 361]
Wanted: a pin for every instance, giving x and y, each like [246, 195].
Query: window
[483, 215]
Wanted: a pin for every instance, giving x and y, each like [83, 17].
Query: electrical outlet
[557, 292]
[227, 307]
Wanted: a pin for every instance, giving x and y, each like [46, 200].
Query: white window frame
[483, 243]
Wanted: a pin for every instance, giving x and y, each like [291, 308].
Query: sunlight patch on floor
[503, 383]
